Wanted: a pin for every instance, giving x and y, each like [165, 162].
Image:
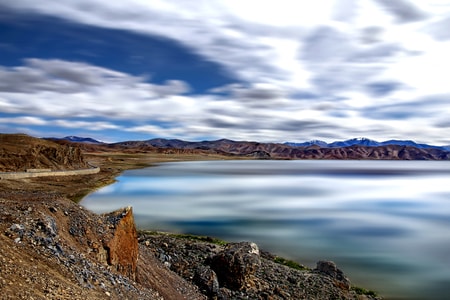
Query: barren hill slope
[19, 152]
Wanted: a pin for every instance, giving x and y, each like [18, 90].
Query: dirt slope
[19, 152]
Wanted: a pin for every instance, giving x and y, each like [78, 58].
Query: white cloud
[72, 89]
[57, 76]
[263, 112]
[222, 31]
[25, 120]
[93, 125]
[269, 34]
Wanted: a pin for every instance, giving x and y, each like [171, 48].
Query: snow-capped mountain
[352, 142]
[365, 142]
[77, 139]
[319, 143]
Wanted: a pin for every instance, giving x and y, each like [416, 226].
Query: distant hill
[365, 142]
[19, 152]
[76, 139]
[350, 149]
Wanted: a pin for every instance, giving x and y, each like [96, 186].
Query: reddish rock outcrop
[121, 244]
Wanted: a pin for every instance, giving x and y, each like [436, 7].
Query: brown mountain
[19, 152]
[283, 151]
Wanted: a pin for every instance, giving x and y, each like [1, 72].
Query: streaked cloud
[403, 10]
[300, 70]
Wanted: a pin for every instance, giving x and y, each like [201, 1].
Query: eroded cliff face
[19, 152]
[121, 243]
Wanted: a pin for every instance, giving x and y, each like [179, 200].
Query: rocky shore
[243, 271]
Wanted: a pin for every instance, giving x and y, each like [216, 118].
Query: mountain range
[176, 143]
[361, 148]
[365, 142]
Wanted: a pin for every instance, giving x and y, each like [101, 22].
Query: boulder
[206, 279]
[236, 265]
[330, 269]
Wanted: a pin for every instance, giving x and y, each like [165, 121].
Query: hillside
[19, 152]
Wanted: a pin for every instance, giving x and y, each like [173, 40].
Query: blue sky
[269, 71]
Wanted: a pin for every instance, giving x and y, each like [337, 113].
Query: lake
[385, 223]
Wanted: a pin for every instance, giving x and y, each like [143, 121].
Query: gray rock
[329, 268]
[17, 227]
[206, 279]
[236, 265]
[48, 225]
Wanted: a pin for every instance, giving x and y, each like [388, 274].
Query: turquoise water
[385, 223]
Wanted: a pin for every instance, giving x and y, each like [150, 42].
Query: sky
[255, 70]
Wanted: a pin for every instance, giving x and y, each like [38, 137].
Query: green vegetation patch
[290, 263]
[363, 291]
[200, 238]
[190, 237]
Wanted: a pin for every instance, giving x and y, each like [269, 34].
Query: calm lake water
[385, 223]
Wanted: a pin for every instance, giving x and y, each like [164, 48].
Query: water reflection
[385, 223]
